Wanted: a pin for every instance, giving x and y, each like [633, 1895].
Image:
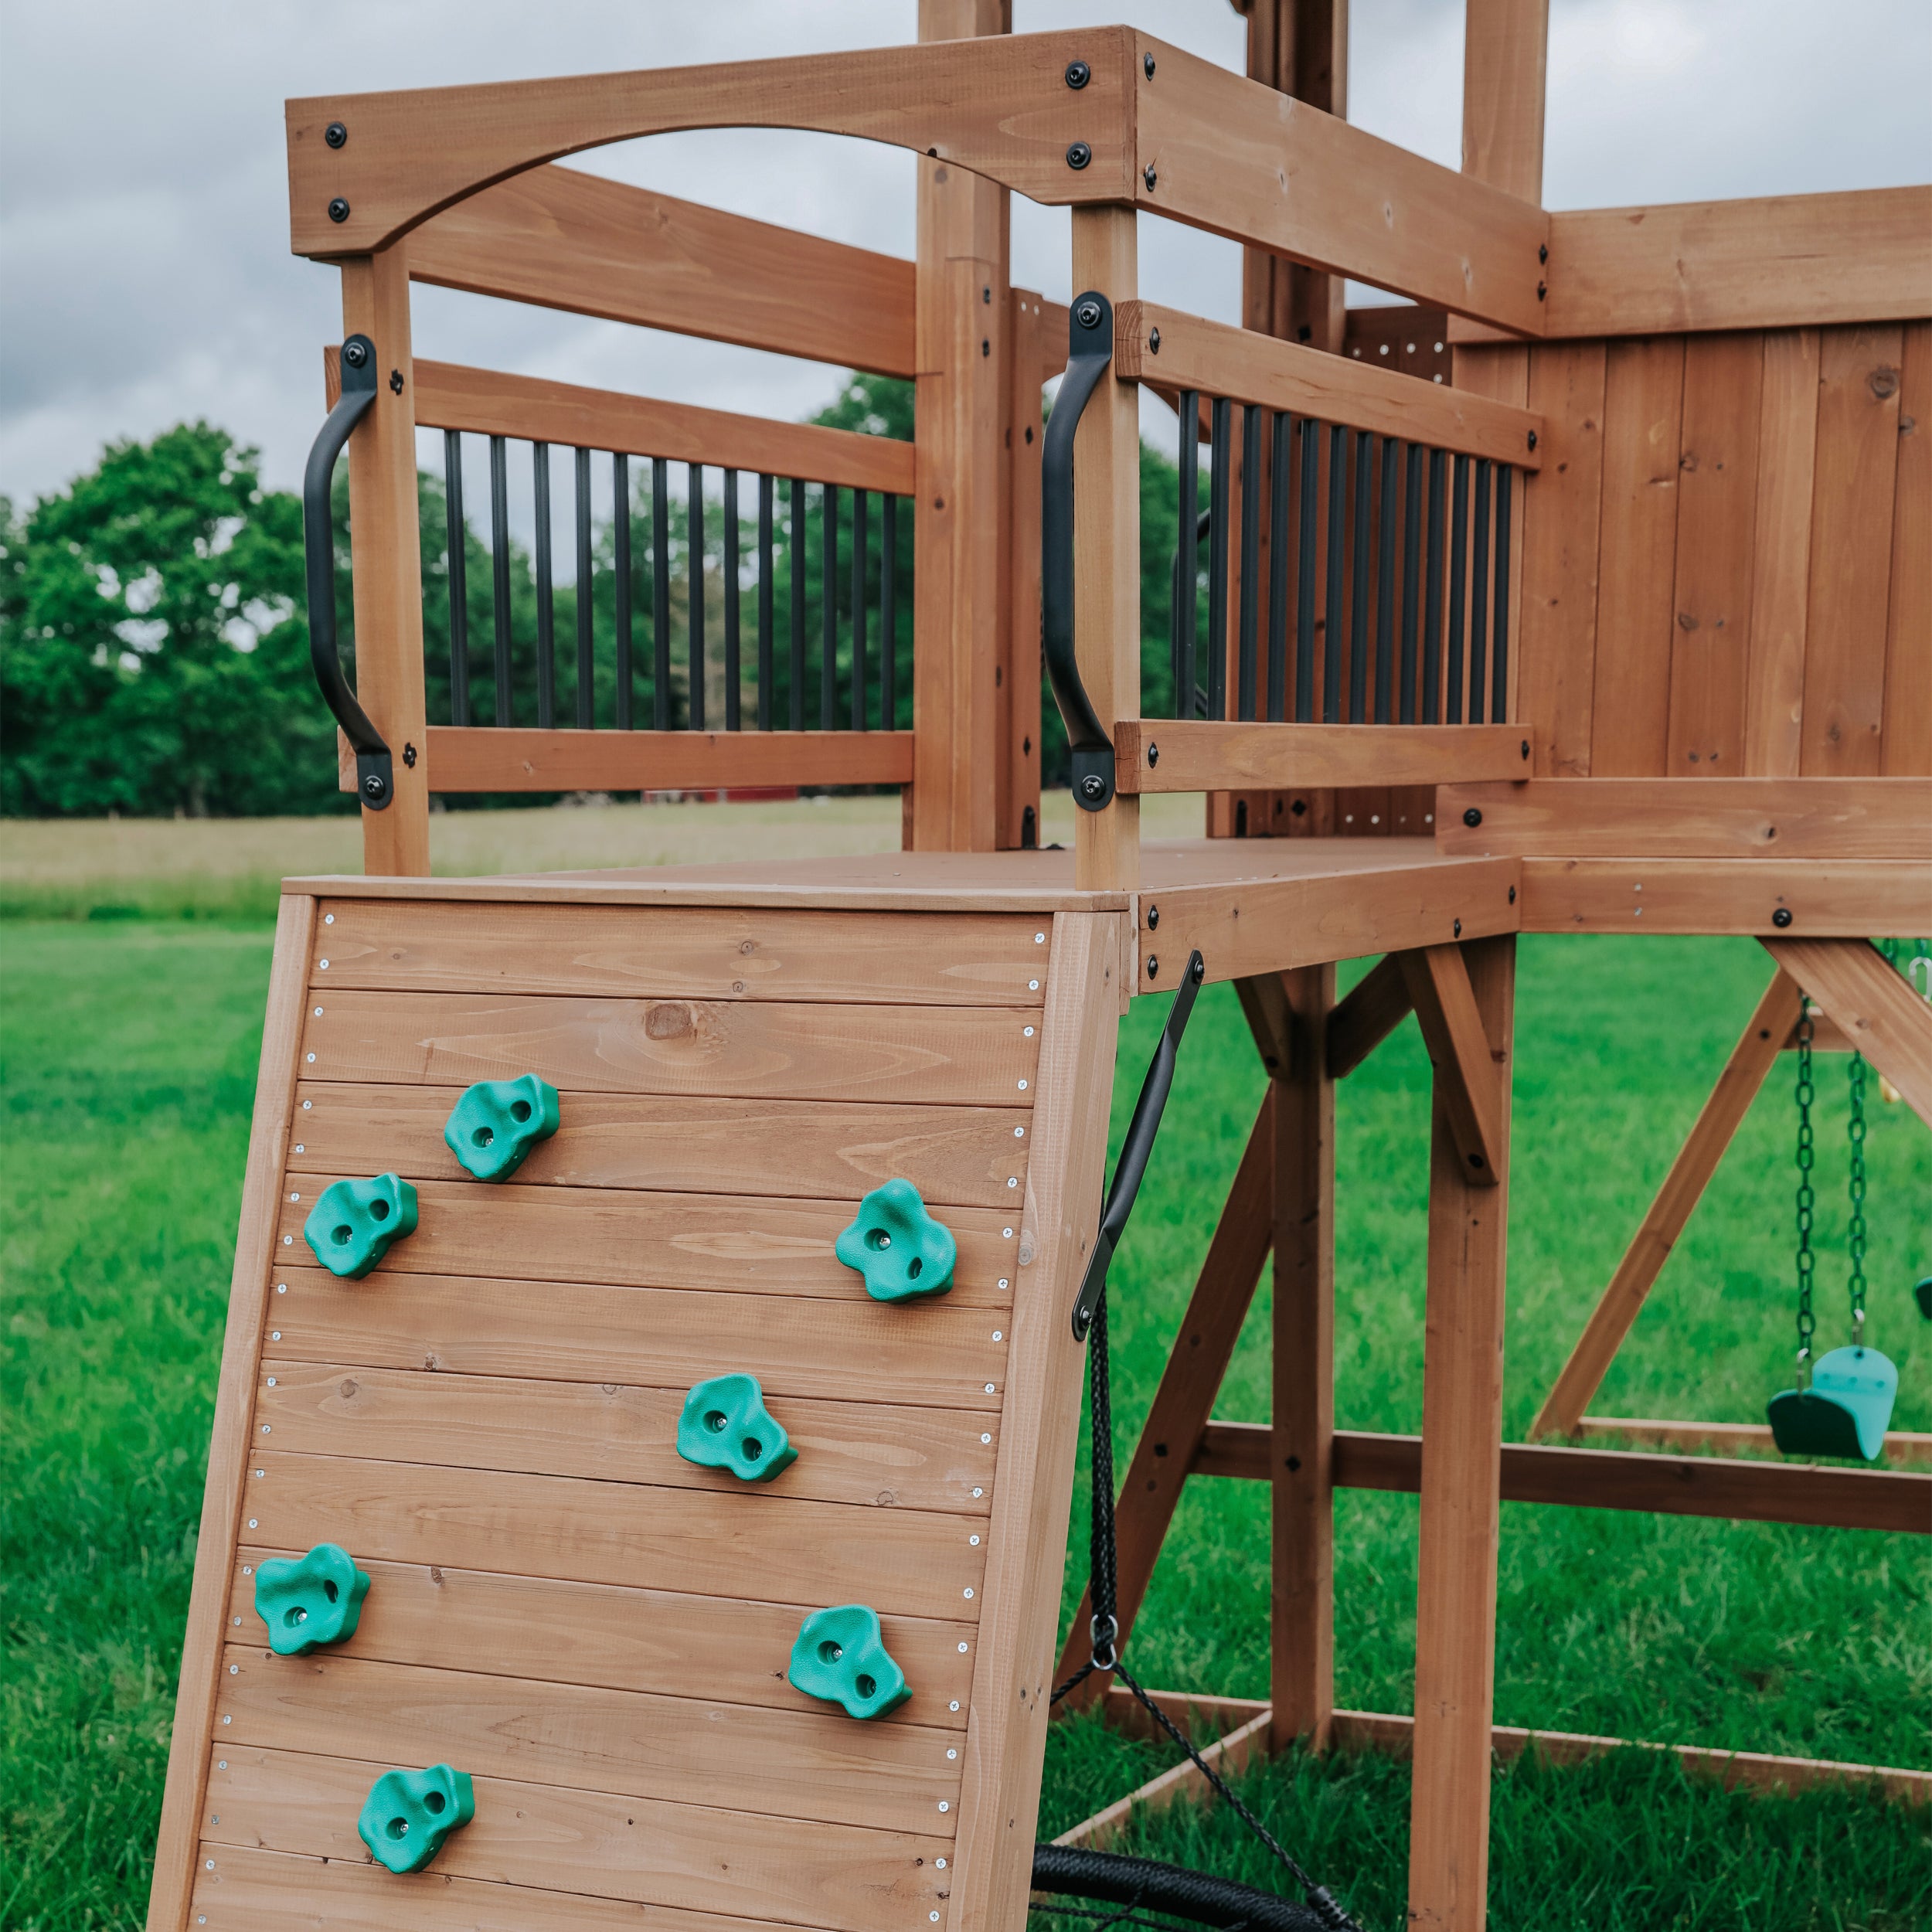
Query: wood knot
[1883, 382]
[669, 1019]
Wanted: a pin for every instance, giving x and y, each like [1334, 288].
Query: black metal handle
[375, 773]
[1131, 1168]
[1089, 357]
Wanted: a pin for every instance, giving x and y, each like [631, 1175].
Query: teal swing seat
[1845, 1411]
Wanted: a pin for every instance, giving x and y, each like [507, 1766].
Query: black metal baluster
[1386, 587]
[1250, 556]
[1411, 577]
[1499, 658]
[458, 577]
[586, 692]
[829, 607]
[500, 573]
[1219, 458]
[1458, 586]
[1479, 594]
[859, 609]
[1278, 568]
[621, 540]
[1187, 574]
[545, 590]
[1363, 571]
[661, 594]
[889, 614]
[798, 549]
[1311, 434]
[1432, 598]
[732, 697]
[1337, 564]
[764, 603]
[694, 561]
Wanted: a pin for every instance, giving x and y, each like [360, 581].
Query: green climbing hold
[351, 1227]
[726, 1425]
[1922, 1294]
[408, 1815]
[841, 1656]
[1844, 1412]
[900, 1249]
[495, 1125]
[310, 1600]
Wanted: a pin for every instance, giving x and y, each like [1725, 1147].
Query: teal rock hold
[308, 1601]
[900, 1249]
[408, 1815]
[352, 1227]
[840, 1656]
[493, 1127]
[1845, 1412]
[726, 1425]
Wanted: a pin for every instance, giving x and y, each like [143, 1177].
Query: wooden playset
[651, 1393]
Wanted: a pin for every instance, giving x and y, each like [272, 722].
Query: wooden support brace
[1874, 1007]
[1445, 1003]
[1368, 1014]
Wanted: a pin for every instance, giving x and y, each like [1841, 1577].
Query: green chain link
[1856, 1234]
[1807, 1262]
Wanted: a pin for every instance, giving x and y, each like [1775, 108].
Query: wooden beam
[1771, 818]
[569, 240]
[1743, 1074]
[488, 403]
[1505, 46]
[1444, 1000]
[1016, 781]
[1185, 1780]
[1874, 1006]
[1462, 1424]
[1901, 1445]
[1201, 754]
[1836, 898]
[1217, 360]
[1817, 1495]
[1203, 1345]
[486, 758]
[1368, 1014]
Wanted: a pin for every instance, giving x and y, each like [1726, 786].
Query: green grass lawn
[129, 1063]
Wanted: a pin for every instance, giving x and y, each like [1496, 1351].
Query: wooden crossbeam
[509, 758]
[1874, 1007]
[1445, 1003]
[1367, 1015]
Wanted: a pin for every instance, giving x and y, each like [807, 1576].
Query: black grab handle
[1089, 355]
[375, 773]
[1131, 1168]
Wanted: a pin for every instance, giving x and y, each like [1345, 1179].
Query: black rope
[1103, 1592]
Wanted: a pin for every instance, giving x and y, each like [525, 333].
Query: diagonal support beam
[1466, 1065]
[1751, 1059]
[1367, 1015]
[1875, 1009]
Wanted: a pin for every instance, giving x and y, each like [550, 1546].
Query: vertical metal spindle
[545, 590]
[798, 558]
[731, 640]
[1386, 587]
[829, 607]
[1479, 594]
[1278, 568]
[1337, 584]
[859, 609]
[1363, 571]
[500, 571]
[1188, 554]
[1499, 656]
[1220, 456]
[1251, 556]
[1458, 586]
[587, 693]
[1304, 573]
[694, 563]
[889, 614]
[621, 543]
[1411, 580]
[660, 593]
[765, 589]
[1432, 597]
[458, 577]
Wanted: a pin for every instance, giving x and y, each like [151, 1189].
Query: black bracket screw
[1458, 932]
[1088, 315]
[1093, 786]
[338, 209]
[1533, 439]
[1154, 340]
[354, 353]
[1153, 756]
[336, 135]
[1782, 917]
[1147, 65]
[1078, 74]
[1513, 895]
[1153, 966]
[373, 787]
[1148, 175]
[1077, 157]
[1525, 747]
[1472, 818]
[1153, 918]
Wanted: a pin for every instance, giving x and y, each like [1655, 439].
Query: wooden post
[1018, 673]
[388, 564]
[1106, 550]
[962, 351]
[1461, 1462]
[1301, 1447]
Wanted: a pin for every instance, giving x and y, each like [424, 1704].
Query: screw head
[373, 787]
[1077, 156]
[1543, 289]
[1147, 65]
[335, 134]
[1533, 439]
[1153, 756]
[1154, 337]
[1543, 251]
[1148, 175]
[1472, 818]
[355, 354]
[1078, 74]
[396, 382]
[409, 756]
[1513, 895]
[1458, 929]
[1088, 315]
[1153, 917]
[1153, 966]
[1782, 917]
[1093, 786]
[338, 209]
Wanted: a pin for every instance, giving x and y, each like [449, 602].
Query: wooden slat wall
[1727, 556]
[596, 1630]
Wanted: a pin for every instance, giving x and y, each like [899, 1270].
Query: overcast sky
[144, 271]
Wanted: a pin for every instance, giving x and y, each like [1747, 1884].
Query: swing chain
[1806, 1322]
[1856, 1234]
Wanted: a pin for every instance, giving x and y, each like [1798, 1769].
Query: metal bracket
[1131, 1168]
[374, 773]
[1090, 356]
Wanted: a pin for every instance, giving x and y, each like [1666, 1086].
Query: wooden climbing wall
[597, 1631]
